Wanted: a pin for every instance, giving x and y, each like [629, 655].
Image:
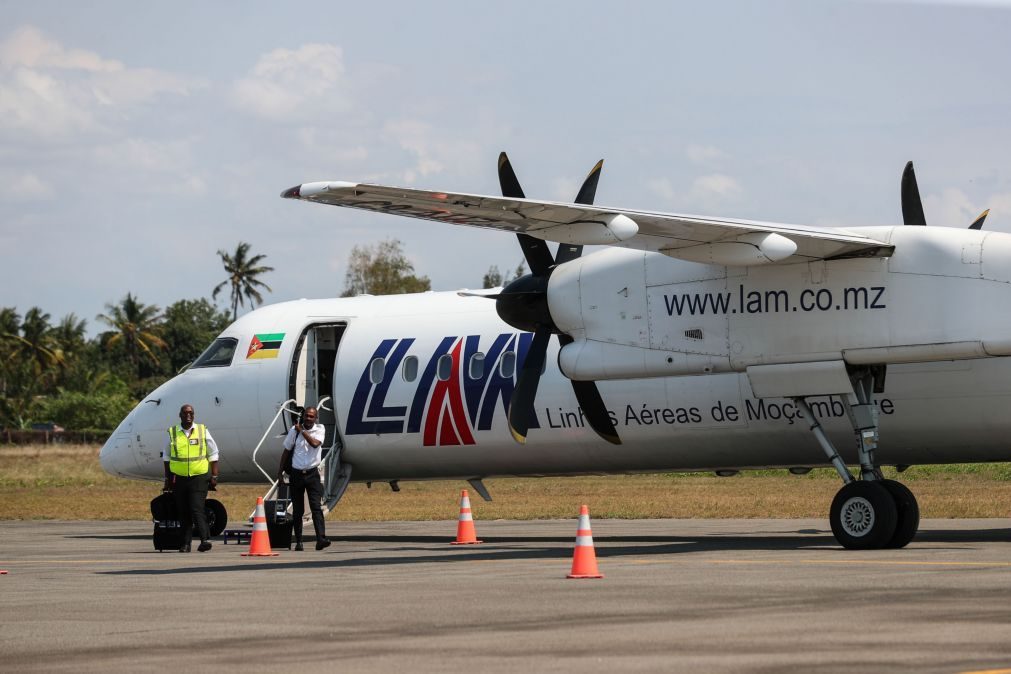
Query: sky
[138, 139]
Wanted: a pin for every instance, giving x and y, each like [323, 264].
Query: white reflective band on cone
[584, 541]
[466, 517]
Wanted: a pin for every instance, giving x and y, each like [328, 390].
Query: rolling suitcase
[168, 533]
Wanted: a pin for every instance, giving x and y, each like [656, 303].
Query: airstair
[336, 474]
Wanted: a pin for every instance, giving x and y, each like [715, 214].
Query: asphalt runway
[678, 595]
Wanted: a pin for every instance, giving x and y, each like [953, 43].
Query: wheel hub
[857, 516]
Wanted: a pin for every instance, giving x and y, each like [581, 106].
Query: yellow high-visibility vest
[188, 455]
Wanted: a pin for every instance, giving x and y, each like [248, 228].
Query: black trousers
[191, 494]
[311, 484]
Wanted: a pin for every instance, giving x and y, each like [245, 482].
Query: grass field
[67, 482]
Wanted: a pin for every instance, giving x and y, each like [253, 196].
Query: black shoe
[185, 548]
[322, 543]
[298, 547]
[204, 546]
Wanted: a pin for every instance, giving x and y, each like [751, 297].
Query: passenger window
[376, 370]
[218, 354]
[507, 368]
[410, 370]
[476, 368]
[445, 367]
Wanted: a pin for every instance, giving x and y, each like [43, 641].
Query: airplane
[686, 343]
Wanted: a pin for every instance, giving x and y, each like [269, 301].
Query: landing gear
[870, 513]
[908, 514]
[863, 516]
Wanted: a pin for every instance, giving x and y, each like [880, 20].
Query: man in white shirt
[305, 445]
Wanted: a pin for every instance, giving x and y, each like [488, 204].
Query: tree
[135, 328]
[188, 326]
[494, 279]
[242, 277]
[36, 344]
[382, 269]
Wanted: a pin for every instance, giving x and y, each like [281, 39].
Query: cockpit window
[218, 354]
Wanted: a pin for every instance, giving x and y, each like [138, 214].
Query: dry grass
[67, 482]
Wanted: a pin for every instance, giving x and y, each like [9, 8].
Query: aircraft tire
[908, 514]
[863, 516]
[217, 516]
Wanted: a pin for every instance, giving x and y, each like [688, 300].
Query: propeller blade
[978, 222]
[587, 193]
[588, 397]
[912, 206]
[535, 251]
[507, 179]
[589, 189]
[521, 406]
[488, 296]
[594, 410]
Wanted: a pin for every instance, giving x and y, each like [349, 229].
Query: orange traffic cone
[465, 533]
[259, 544]
[584, 559]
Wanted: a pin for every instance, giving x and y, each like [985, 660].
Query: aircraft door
[312, 375]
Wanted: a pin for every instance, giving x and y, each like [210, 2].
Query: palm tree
[242, 273]
[36, 345]
[135, 325]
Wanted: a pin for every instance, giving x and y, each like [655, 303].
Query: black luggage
[168, 533]
[279, 520]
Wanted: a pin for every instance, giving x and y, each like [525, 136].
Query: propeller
[978, 222]
[912, 206]
[523, 304]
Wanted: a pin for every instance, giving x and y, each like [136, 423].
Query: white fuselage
[672, 376]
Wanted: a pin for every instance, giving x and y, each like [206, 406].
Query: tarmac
[678, 595]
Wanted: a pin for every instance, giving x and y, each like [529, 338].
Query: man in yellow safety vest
[191, 468]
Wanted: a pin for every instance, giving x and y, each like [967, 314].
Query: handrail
[280, 409]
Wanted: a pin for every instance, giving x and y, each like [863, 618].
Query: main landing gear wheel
[217, 516]
[908, 514]
[864, 516]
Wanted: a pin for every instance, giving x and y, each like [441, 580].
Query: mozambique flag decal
[265, 345]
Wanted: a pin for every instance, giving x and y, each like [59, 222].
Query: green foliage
[75, 410]
[382, 269]
[135, 329]
[188, 326]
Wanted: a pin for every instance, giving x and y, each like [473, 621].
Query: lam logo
[455, 396]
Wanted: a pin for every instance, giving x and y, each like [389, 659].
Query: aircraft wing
[689, 237]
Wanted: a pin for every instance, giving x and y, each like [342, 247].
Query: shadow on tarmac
[555, 547]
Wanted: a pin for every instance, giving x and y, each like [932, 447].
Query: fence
[19, 437]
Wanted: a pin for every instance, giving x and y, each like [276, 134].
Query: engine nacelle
[945, 294]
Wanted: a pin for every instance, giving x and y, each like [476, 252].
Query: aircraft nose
[116, 456]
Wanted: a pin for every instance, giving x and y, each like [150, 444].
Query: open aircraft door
[310, 382]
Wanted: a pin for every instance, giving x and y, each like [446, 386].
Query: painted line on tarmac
[859, 562]
[989, 671]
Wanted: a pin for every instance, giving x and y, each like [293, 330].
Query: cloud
[705, 154]
[716, 185]
[24, 187]
[433, 151]
[710, 192]
[951, 208]
[49, 92]
[294, 85]
[29, 47]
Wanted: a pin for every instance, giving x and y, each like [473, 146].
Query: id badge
[194, 441]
